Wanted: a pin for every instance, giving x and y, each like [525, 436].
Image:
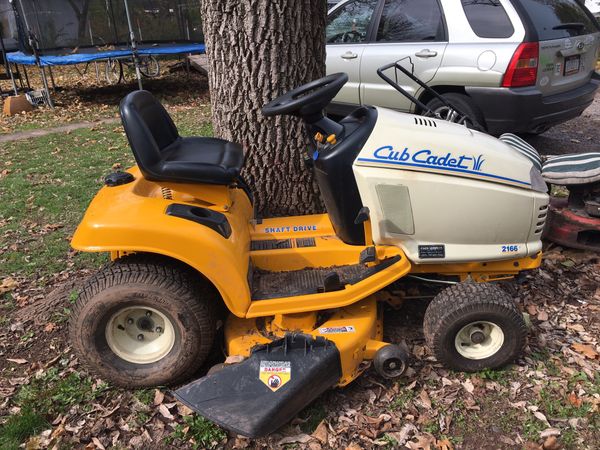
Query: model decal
[288, 229]
[275, 373]
[337, 330]
[426, 157]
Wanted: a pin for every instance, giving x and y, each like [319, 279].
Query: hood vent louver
[542, 214]
[424, 122]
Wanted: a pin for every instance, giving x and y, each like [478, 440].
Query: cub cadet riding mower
[404, 194]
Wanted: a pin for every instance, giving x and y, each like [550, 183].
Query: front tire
[144, 322]
[472, 326]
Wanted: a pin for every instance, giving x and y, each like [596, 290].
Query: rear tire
[472, 326]
[144, 321]
[461, 102]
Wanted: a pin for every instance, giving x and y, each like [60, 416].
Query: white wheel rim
[140, 335]
[479, 340]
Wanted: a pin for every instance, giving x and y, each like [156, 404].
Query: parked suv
[513, 65]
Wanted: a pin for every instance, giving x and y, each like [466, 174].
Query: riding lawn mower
[299, 301]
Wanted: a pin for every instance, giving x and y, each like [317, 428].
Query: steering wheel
[352, 36]
[307, 100]
[346, 36]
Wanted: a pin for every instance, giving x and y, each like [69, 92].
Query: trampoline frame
[132, 52]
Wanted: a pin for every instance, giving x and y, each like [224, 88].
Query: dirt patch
[62, 129]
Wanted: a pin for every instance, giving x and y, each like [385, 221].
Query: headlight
[537, 181]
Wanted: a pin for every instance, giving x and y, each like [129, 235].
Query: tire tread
[186, 284]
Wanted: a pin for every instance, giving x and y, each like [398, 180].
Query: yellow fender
[132, 218]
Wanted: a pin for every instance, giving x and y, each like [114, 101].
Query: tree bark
[257, 50]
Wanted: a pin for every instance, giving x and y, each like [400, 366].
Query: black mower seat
[163, 155]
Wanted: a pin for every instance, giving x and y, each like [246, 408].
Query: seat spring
[167, 193]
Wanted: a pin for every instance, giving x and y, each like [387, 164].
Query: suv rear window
[557, 19]
[488, 19]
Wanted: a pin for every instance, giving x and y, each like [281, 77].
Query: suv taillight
[522, 69]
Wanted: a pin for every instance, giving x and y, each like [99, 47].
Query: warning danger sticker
[275, 373]
[337, 330]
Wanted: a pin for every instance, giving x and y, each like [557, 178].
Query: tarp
[79, 58]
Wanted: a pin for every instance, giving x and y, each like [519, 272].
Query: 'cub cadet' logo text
[427, 158]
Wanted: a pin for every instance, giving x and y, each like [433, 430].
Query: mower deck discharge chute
[292, 372]
[300, 300]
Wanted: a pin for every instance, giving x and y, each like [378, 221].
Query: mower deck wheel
[474, 326]
[144, 321]
[391, 361]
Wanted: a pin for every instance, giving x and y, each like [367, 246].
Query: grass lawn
[47, 182]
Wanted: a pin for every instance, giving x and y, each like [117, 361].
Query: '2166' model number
[510, 248]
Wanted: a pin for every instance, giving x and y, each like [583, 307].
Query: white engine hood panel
[409, 142]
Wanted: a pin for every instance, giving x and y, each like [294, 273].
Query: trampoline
[119, 32]
[95, 54]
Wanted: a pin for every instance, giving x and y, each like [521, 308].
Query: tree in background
[257, 50]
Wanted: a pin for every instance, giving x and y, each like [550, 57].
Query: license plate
[572, 64]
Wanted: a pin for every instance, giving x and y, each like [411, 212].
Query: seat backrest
[148, 127]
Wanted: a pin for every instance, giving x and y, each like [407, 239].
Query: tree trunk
[257, 50]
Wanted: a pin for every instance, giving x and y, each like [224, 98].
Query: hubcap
[140, 335]
[479, 340]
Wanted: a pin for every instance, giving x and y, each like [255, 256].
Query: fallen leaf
[404, 434]
[184, 410]
[548, 432]
[425, 400]
[17, 360]
[300, 438]
[423, 442]
[158, 397]
[538, 415]
[98, 444]
[468, 385]
[321, 433]
[574, 399]
[164, 411]
[586, 350]
[7, 285]
[444, 444]
[551, 444]
[234, 359]
[49, 327]
[353, 446]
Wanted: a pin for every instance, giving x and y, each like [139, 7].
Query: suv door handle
[349, 55]
[426, 53]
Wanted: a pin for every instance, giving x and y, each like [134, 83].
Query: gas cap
[486, 61]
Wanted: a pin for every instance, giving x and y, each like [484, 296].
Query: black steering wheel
[346, 36]
[309, 100]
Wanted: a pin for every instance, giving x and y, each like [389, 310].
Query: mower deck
[571, 227]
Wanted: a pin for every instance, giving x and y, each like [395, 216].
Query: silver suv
[513, 65]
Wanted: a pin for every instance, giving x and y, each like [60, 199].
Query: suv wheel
[461, 102]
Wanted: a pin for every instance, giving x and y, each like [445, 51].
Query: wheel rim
[479, 340]
[451, 115]
[394, 367]
[140, 335]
